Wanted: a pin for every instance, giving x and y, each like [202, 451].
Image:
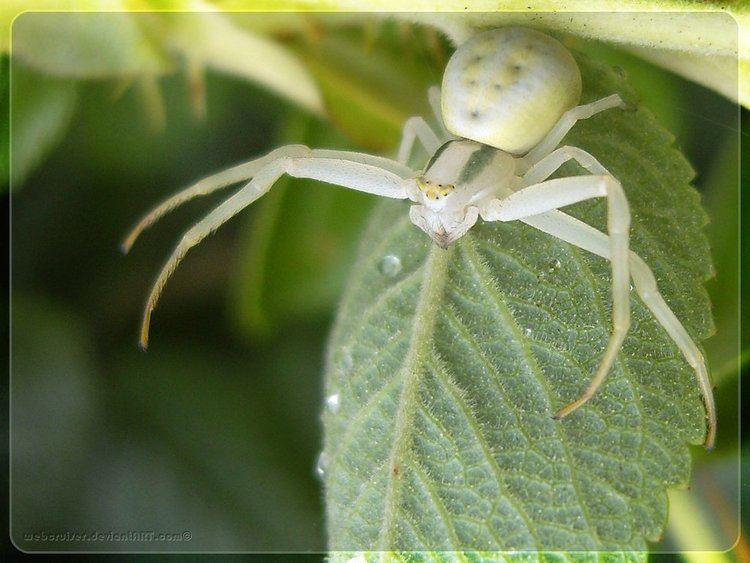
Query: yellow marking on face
[434, 191]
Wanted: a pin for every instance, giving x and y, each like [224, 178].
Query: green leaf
[131, 45]
[41, 112]
[448, 371]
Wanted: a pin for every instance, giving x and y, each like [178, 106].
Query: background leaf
[41, 112]
[448, 372]
[212, 40]
[86, 45]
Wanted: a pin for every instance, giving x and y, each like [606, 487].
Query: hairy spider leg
[552, 194]
[582, 235]
[208, 185]
[354, 175]
[245, 171]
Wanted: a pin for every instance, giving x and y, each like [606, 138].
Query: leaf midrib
[425, 316]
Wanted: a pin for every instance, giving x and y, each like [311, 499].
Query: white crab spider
[508, 98]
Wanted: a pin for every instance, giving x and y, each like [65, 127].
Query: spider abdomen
[507, 88]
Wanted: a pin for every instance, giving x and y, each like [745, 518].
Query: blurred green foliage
[45, 107]
[173, 442]
[216, 429]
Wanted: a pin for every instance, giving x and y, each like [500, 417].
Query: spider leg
[550, 163]
[354, 175]
[578, 233]
[206, 186]
[621, 300]
[551, 194]
[245, 171]
[417, 128]
[565, 124]
[384, 163]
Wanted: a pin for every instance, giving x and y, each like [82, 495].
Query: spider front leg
[578, 233]
[355, 175]
[245, 171]
[552, 194]
[208, 185]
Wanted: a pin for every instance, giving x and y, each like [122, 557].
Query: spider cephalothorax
[509, 96]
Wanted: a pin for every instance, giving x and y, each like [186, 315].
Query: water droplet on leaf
[390, 265]
[321, 465]
[333, 402]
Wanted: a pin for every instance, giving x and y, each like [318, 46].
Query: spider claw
[710, 441]
[143, 340]
[570, 408]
